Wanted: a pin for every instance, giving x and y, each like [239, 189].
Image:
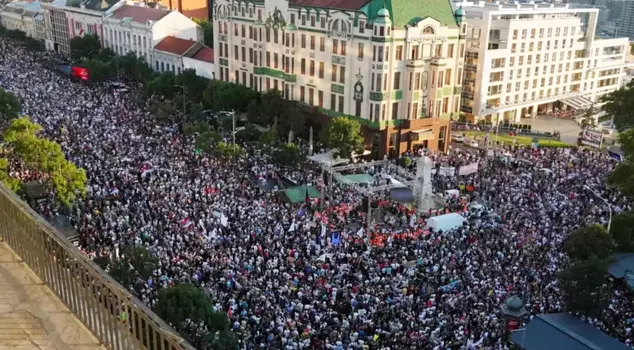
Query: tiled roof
[335, 4]
[174, 45]
[206, 54]
[139, 14]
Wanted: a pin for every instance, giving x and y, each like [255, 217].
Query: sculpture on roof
[275, 21]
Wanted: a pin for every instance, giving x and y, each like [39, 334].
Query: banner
[591, 138]
[468, 169]
[447, 171]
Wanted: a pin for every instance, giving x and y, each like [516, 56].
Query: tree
[344, 135]
[186, 304]
[288, 155]
[623, 175]
[228, 151]
[163, 86]
[12, 183]
[272, 106]
[622, 231]
[254, 116]
[293, 119]
[84, 47]
[580, 284]
[99, 71]
[619, 105]
[589, 241]
[10, 106]
[588, 123]
[250, 133]
[194, 85]
[122, 272]
[207, 140]
[223, 96]
[133, 68]
[141, 260]
[208, 31]
[46, 157]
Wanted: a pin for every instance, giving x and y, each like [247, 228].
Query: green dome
[383, 13]
[459, 12]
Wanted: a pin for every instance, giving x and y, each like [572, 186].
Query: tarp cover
[298, 194]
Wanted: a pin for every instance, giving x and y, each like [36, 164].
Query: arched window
[428, 30]
[339, 26]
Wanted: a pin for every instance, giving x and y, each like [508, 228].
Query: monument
[423, 193]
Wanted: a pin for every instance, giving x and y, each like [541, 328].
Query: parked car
[473, 144]
[457, 138]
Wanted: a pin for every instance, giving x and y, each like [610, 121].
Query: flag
[229, 312]
[335, 238]
[301, 212]
[360, 232]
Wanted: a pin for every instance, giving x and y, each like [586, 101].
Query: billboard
[591, 138]
[80, 73]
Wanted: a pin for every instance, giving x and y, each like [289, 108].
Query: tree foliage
[84, 47]
[36, 153]
[207, 140]
[580, 284]
[224, 96]
[622, 231]
[623, 175]
[194, 85]
[135, 262]
[288, 155]
[132, 68]
[619, 105]
[10, 106]
[293, 119]
[589, 241]
[250, 133]
[208, 31]
[186, 304]
[163, 86]
[98, 70]
[272, 106]
[344, 135]
[228, 151]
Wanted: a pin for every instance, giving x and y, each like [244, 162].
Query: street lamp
[596, 194]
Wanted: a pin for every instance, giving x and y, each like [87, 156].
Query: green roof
[404, 12]
[297, 194]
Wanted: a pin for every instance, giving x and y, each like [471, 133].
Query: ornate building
[394, 66]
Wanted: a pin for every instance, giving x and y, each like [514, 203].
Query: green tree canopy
[10, 106]
[344, 135]
[185, 302]
[288, 155]
[207, 140]
[135, 262]
[37, 153]
[132, 68]
[293, 119]
[272, 106]
[250, 133]
[84, 47]
[622, 231]
[224, 96]
[620, 106]
[163, 86]
[580, 284]
[589, 241]
[254, 115]
[194, 85]
[623, 175]
[208, 31]
[99, 71]
[228, 151]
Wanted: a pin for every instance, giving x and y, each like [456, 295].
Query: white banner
[468, 169]
[447, 171]
[592, 138]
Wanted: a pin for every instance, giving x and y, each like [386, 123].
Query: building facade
[56, 27]
[626, 24]
[528, 59]
[137, 29]
[396, 70]
[23, 16]
[86, 17]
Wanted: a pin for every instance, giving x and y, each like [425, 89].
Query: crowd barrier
[118, 319]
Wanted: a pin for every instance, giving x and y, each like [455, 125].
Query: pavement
[31, 316]
[568, 128]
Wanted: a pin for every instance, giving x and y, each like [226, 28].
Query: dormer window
[381, 31]
[361, 26]
[428, 30]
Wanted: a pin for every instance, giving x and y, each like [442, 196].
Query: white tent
[328, 159]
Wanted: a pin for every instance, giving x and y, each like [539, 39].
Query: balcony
[54, 287]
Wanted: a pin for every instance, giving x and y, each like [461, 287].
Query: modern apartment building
[626, 24]
[528, 59]
[396, 66]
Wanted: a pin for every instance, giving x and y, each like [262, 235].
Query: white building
[395, 66]
[528, 59]
[176, 54]
[24, 16]
[137, 28]
[86, 17]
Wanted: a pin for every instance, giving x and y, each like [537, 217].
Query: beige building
[394, 66]
[528, 59]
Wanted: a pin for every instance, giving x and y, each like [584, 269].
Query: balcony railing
[118, 319]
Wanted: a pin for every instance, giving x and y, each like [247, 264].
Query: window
[399, 53]
[335, 46]
[244, 54]
[343, 48]
[450, 49]
[459, 77]
[415, 110]
[236, 55]
[312, 41]
[361, 27]
[303, 41]
[311, 93]
[321, 70]
[379, 80]
[445, 105]
[320, 99]
[428, 30]
[334, 73]
[360, 51]
[268, 59]
[340, 109]
[301, 93]
[417, 83]
[395, 110]
[312, 68]
[302, 66]
[333, 102]
[312, 22]
[448, 77]
[397, 81]
[303, 20]
[292, 18]
[268, 35]
[342, 74]
[322, 44]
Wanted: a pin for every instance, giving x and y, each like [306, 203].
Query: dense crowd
[284, 279]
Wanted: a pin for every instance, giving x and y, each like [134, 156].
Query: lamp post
[513, 310]
[596, 194]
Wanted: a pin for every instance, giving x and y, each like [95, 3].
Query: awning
[577, 102]
[423, 134]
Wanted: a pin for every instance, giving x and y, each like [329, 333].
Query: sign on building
[592, 138]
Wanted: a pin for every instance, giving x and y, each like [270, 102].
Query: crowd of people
[300, 276]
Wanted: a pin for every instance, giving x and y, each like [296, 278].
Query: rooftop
[563, 331]
[206, 54]
[402, 12]
[139, 14]
[95, 5]
[175, 45]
